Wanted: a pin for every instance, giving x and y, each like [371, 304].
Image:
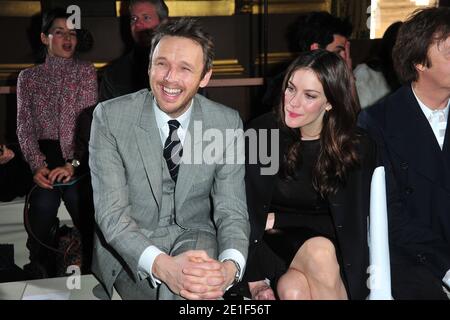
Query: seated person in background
[129, 73]
[412, 131]
[315, 30]
[15, 174]
[312, 214]
[376, 78]
[50, 97]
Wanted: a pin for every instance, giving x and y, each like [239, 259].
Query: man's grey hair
[161, 8]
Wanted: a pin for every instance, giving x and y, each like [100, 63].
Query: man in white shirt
[410, 128]
[172, 217]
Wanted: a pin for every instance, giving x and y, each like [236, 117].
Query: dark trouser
[44, 205]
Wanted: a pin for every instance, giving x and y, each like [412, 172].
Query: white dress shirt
[147, 258]
[437, 127]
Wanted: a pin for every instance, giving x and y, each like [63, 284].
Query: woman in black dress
[309, 220]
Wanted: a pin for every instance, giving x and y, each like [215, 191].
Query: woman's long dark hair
[337, 153]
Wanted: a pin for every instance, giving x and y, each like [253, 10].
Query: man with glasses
[129, 73]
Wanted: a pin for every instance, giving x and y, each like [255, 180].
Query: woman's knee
[293, 286]
[319, 260]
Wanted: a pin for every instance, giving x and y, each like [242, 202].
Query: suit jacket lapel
[189, 168]
[150, 147]
[410, 134]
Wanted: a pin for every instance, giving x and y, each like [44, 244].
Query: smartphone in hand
[68, 183]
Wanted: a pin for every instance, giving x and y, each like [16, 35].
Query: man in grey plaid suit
[169, 226]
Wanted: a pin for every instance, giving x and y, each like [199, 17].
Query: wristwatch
[74, 162]
[238, 271]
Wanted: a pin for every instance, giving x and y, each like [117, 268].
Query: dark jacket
[127, 74]
[418, 180]
[349, 208]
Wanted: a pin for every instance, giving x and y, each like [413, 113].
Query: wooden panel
[286, 6]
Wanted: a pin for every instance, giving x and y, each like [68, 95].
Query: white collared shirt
[428, 112]
[162, 122]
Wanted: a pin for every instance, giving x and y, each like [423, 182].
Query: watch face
[75, 163]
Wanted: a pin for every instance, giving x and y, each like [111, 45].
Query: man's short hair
[319, 27]
[186, 28]
[161, 8]
[417, 34]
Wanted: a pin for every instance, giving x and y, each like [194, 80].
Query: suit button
[404, 165]
[113, 273]
[339, 226]
[256, 241]
[421, 258]
[409, 190]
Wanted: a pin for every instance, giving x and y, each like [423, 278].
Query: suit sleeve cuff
[446, 279]
[145, 264]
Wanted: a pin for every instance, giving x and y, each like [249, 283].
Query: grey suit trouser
[173, 240]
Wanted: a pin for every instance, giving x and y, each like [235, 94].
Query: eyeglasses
[64, 34]
[135, 19]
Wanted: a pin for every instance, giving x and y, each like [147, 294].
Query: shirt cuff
[145, 264]
[446, 279]
[235, 255]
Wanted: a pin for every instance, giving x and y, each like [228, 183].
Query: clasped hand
[194, 275]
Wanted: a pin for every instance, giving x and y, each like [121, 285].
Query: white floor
[12, 230]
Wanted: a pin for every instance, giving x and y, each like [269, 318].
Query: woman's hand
[6, 155]
[270, 221]
[260, 290]
[40, 177]
[63, 173]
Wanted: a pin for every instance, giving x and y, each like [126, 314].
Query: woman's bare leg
[317, 260]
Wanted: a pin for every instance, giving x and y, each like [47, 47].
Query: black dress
[300, 212]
